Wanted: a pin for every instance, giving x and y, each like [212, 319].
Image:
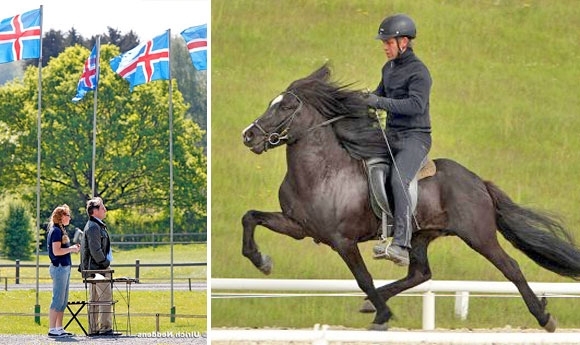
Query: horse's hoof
[267, 264]
[367, 307]
[551, 325]
[379, 327]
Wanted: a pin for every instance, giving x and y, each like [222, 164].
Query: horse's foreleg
[275, 221]
[350, 253]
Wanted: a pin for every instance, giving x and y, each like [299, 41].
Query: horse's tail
[540, 236]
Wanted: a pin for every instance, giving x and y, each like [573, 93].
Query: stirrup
[380, 249]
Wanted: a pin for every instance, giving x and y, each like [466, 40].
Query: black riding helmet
[398, 25]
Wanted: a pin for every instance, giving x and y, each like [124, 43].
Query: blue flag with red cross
[89, 78]
[147, 62]
[20, 37]
[196, 41]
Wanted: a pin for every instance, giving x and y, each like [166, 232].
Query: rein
[281, 132]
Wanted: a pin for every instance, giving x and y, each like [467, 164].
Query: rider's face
[391, 49]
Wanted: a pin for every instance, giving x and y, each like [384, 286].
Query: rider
[404, 94]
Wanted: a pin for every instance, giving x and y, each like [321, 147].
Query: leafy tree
[124, 42]
[53, 43]
[74, 38]
[132, 147]
[17, 241]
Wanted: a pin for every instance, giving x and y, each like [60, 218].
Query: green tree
[17, 240]
[132, 146]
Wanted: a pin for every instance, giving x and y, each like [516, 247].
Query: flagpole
[37, 305]
[97, 62]
[171, 175]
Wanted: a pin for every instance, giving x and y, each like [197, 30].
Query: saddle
[377, 173]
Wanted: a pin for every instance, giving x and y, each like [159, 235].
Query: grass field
[190, 305]
[504, 104]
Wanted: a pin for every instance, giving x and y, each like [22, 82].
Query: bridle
[280, 133]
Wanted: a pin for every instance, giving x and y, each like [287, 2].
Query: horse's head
[272, 129]
[307, 104]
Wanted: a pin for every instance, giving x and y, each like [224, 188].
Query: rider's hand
[371, 100]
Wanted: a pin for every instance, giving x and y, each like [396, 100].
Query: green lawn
[192, 253]
[190, 306]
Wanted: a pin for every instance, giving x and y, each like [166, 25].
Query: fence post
[157, 323]
[461, 304]
[429, 311]
[17, 271]
[137, 270]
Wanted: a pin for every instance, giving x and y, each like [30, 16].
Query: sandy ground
[413, 337]
[147, 339]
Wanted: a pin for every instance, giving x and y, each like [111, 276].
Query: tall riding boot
[398, 250]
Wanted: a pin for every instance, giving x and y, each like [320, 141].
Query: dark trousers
[409, 149]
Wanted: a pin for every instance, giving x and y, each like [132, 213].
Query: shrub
[17, 241]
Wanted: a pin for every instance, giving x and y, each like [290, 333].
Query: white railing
[462, 289]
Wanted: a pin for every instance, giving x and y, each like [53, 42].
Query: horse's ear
[323, 73]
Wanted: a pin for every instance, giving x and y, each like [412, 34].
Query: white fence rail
[462, 289]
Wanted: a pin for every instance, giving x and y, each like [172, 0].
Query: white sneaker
[55, 334]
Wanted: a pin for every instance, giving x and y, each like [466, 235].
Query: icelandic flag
[147, 62]
[196, 40]
[20, 37]
[89, 78]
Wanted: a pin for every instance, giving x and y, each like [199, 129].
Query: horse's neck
[319, 153]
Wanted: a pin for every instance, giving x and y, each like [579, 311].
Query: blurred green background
[504, 103]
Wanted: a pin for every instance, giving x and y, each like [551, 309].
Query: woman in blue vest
[59, 249]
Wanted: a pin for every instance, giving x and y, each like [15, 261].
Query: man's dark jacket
[95, 246]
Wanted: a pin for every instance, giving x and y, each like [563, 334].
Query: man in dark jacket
[96, 255]
[404, 94]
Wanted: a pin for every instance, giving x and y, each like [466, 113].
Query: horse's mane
[327, 96]
[358, 133]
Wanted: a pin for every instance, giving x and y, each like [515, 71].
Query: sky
[147, 18]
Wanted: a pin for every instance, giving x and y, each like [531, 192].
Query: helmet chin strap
[399, 50]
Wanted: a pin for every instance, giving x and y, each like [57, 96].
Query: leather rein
[281, 131]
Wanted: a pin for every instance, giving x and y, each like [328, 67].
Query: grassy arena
[18, 305]
[504, 103]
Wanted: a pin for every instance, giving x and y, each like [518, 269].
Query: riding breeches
[409, 149]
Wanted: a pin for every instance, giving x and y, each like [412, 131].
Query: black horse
[325, 196]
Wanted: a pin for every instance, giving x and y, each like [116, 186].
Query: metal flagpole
[171, 175]
[37, 305]
[98, 43]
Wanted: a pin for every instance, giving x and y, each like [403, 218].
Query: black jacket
[404, 93]
[95, 246]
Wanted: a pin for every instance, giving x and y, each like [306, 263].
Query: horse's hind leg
[275, 221]
[418, 272]
[492, 251]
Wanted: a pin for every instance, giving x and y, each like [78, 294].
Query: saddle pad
[428, 170]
